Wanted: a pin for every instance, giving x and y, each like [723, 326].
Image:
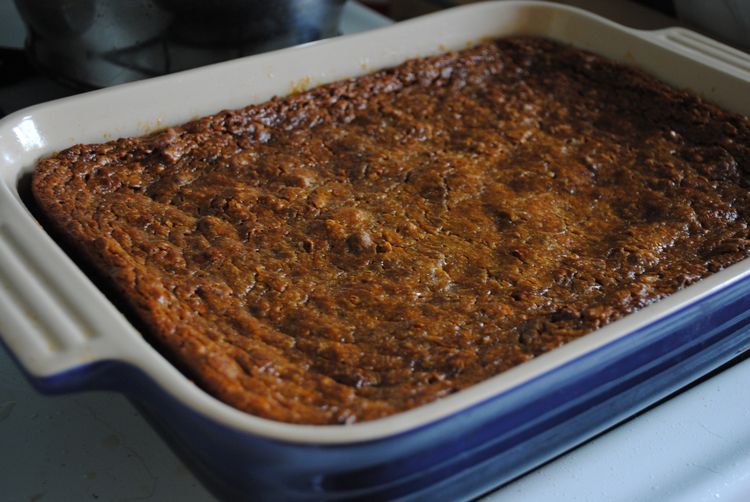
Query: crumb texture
[367, 246]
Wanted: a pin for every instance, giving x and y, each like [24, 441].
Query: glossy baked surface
[371, 245]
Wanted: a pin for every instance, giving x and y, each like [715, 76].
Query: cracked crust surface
[370, 245]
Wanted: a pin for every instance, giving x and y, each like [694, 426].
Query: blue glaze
[462, 455]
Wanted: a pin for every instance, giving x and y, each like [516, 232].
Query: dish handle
[703, 49]
[54, 322]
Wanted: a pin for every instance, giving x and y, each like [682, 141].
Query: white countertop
[693, 448]
[87, 446]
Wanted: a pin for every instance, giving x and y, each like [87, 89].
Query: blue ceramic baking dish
[67, 336]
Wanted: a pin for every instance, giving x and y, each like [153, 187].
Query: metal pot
[98, 43]
[728, 19]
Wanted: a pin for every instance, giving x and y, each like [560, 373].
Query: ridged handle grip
[51, 317]
[47, 332]
[706, 50]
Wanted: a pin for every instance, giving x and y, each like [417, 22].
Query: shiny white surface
[27, 136]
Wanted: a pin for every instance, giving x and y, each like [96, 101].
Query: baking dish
[67, 336]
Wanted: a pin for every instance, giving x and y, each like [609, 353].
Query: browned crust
[374, 244]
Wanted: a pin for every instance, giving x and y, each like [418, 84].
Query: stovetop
[89, 446]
